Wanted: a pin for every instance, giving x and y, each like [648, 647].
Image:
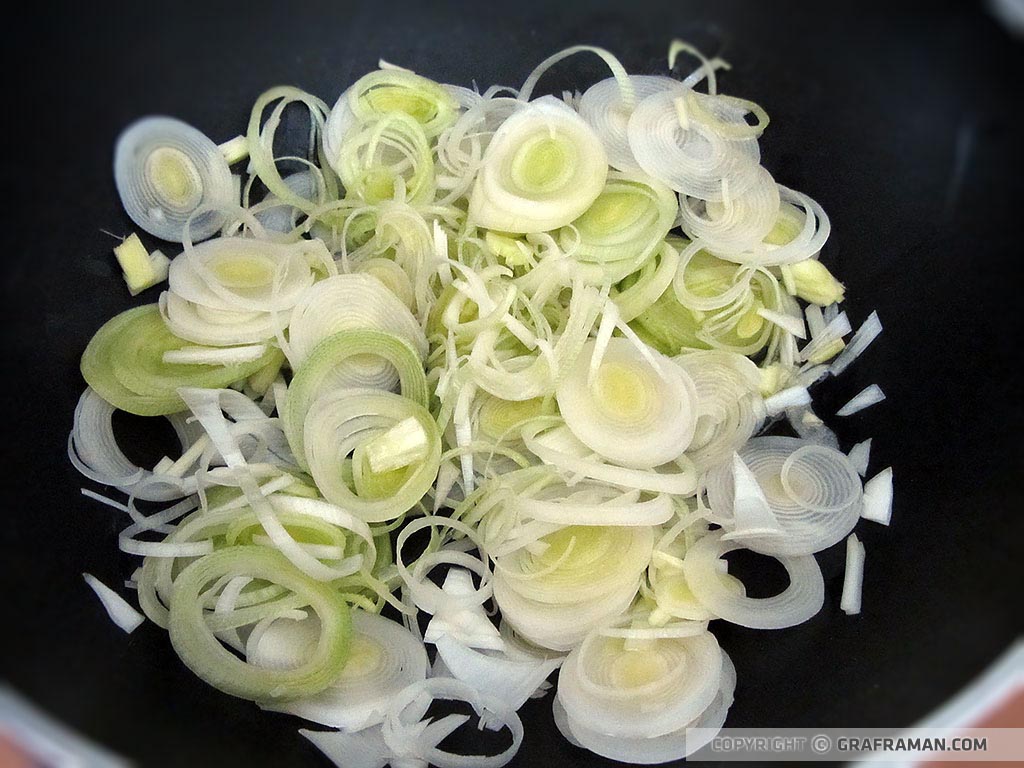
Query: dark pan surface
[901, 122]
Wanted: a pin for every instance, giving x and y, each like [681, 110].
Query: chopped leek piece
[235, 150]
[141, 269]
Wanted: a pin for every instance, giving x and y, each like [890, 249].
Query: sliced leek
[543, 168]
[124, 365]
[171, 177]
[204, 654]
[542, 342]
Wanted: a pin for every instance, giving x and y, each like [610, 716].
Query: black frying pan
[902, 122]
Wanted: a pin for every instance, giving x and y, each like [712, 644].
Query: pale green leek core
[175, 178]
[141, 268]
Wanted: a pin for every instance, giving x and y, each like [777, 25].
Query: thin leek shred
[866, 334]
[543, 342]
[463, 623]
[853, 577]
[120, 611]
[859, 457]
[867, 397]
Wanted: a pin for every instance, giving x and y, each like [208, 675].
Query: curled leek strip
[202, 652]
[277, 216]
[388, 446]
[260, 139]
[382, 156]
[166, 171]
[94, 450]
[536, 375]
[813, 491]
[461, 148]
[442, 550]
[801, 600]
[639, 291]
[619, 74]
[403, 730]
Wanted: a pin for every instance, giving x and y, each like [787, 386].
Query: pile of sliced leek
[474, 388]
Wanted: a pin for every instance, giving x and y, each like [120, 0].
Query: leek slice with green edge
[203, 653]
[623, 226]
[260, 141]
[671, 327]
[124, 364]
[313, 377]
[395, 90]
[349, 427]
